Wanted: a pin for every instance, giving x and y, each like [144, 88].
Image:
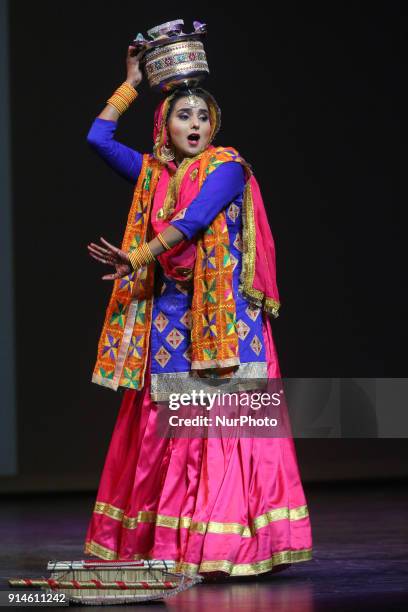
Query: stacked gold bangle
[141, 256]
[123, 97]
[162, 240]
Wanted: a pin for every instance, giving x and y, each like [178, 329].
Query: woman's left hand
[109, 254]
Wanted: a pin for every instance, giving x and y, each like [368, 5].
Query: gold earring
[167, 153]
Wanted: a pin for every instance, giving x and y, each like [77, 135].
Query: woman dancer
[191, 294]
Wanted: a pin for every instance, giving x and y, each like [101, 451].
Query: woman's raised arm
[133, 78]
[124, 160]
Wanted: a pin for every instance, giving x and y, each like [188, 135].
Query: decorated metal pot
[172, 57]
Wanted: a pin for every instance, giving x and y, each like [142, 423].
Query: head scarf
[160, 132]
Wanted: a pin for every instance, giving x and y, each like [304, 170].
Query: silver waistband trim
[163, 385]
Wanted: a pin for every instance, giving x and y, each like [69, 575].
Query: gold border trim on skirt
[239, 569]
[185, 522]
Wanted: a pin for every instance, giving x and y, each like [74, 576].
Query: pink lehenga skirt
[231, 505]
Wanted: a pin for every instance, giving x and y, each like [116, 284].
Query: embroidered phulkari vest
[124, 342]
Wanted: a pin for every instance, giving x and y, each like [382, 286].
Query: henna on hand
[111, 255]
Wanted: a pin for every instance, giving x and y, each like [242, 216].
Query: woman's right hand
[111, 255]
[134, 73]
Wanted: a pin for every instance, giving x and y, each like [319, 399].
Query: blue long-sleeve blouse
[219, 188]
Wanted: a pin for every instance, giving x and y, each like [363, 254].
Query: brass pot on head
[173, 58]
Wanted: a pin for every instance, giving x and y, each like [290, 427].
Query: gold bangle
[134, 260]
[128, 91]
[149, 253]
[123, 97]
[162, 240]
[117, 103]
[141, 256]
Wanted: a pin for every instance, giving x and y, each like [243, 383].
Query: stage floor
[360, 552]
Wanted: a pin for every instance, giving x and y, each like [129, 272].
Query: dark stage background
[309, 95]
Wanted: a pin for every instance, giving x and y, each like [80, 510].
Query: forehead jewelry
[192, 100]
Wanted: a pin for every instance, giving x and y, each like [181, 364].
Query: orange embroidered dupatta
[124, 341]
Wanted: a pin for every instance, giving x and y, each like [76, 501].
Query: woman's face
[189, 126]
